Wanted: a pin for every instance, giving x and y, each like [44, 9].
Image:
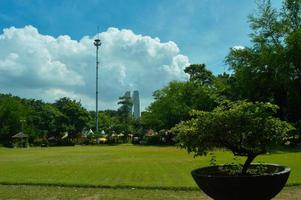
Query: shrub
[247, 129]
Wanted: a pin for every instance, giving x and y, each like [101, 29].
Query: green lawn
[122, 166]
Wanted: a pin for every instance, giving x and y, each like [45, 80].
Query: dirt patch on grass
[290, 193]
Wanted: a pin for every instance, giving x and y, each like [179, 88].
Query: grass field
[123, 166]
[117, 172]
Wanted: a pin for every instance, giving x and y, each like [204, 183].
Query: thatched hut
[20, 140]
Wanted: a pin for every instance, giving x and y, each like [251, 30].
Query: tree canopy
[270, 69]
[247, 129]
[174, 102]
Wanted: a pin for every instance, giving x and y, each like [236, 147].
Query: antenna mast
[97, 44]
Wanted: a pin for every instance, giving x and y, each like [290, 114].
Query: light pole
[97, 43]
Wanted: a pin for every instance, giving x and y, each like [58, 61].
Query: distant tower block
[136, 103]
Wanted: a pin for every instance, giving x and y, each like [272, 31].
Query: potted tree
[247, 129]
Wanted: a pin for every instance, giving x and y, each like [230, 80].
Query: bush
[247, 129]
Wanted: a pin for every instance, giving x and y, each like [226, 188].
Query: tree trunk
[248, 163]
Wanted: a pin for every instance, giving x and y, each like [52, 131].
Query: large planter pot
[246, 187]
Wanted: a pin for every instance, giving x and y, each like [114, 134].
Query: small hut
[20, 140]
[52, 141]
[150, 133]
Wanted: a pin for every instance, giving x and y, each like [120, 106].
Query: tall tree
[270, 69]
[125, 114]
[125, 109]
[174, 102]
[199, 74]
[75, 117]
[12, 111]
[43, 118]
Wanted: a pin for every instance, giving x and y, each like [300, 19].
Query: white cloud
[41, 66]
[238, 47]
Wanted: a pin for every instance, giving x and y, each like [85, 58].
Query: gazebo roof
[52, 138]
[20, 135]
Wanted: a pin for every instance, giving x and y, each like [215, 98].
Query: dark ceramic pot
[241, 187]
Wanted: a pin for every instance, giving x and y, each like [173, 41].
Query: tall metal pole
[97, 43]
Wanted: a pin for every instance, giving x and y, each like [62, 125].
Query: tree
[108, 120]
[199, 74]
[75, 118]
[125, 115]
[125, 109]
[12, 111]
[270, 70]
[174, 102]
[247, 129]
[42, 118]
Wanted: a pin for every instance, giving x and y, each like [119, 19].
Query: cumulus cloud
[40, 66]
[238, 47]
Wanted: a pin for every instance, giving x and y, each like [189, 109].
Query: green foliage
[245, 128]
[174, 102]
[270, 70]
[39, 119]
[212, 159]
[75, 118]
[199, 74]
[106, 122]
[42, 119]
[242, 127]
[12, 111]
[125, 117]
[125, 109]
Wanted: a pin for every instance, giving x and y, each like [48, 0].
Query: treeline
[269, 70]
[42, 120]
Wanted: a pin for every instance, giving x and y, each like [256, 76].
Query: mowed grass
[122, 166]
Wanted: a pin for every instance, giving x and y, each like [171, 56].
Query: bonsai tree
[245, 128]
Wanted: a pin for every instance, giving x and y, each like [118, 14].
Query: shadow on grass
[126, 187]
[283, 149]
[104, 186]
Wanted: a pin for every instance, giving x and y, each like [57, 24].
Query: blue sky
[203, 30]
